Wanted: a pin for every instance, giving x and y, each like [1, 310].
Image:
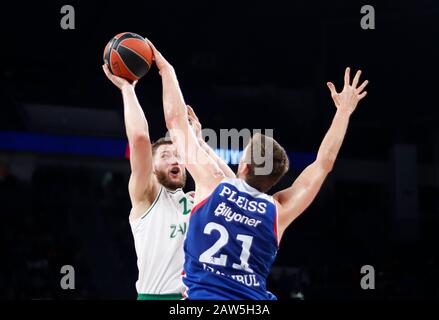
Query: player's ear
[244, 169]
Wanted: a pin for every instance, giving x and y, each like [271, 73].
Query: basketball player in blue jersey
[235, 227]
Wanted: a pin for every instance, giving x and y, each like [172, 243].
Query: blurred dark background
[240, 65]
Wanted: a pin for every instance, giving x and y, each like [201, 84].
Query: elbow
[326, 160]
[175, 120]
[138, 138]
[170, 121]
[328, 165]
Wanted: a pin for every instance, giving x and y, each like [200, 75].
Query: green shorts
[170, 296]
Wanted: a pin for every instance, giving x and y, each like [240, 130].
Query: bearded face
[169, 168]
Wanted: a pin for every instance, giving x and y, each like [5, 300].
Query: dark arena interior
[259, 65]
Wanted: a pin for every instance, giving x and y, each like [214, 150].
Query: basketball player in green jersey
[160, 209]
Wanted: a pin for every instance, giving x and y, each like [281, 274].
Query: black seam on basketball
[108, 53]
[149, 66]
[127, 35]
[129, 70]
[110, 65]
[133, 61]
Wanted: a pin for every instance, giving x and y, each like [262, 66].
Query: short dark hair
[160, 142]
[264, 182]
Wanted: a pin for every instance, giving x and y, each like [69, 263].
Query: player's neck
[171, 189]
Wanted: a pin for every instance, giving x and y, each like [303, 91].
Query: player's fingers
[106, 71]
[362, 86]
[356, 79]
[334, 93]
[194, 124]
[110, 76]
[154, 49]
[332, 88]
[189, 115]
[193, 113]
[190, 111]
[347, 76]
[361, 96]
[115, 79]
[191, 122]
[150, 43]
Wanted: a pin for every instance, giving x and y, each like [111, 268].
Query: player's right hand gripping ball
[128, 55]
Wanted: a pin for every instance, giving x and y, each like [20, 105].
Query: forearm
[333, 139]
[173, 101]
[176, 118]
[202, 168]
[135, 121]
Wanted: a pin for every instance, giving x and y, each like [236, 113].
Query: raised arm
[203, 169]
[295, 199]
[142, 187]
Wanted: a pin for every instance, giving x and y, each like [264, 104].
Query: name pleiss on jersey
[242, 202]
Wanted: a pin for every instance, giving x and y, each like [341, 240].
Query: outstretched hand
[160, 61]
[348, 99]
[118, 81]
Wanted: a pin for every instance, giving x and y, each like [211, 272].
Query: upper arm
[141, 182]
[203, 169]
[295, 199]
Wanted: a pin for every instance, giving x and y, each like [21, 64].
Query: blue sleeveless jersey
[231, 244]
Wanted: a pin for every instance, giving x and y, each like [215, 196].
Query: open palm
[348, 99]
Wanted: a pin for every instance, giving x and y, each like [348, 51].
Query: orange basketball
[128, 55]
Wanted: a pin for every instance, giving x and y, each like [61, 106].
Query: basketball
[128, 55]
